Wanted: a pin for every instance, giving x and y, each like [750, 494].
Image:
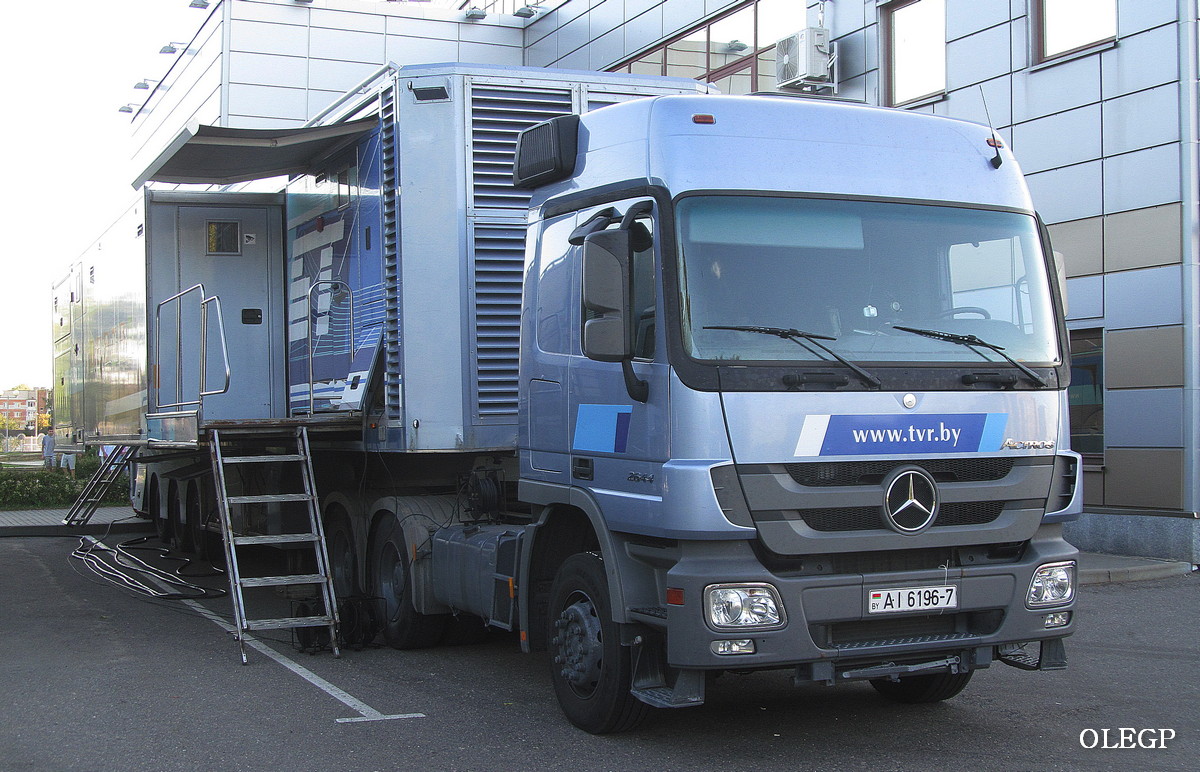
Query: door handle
[581, 468]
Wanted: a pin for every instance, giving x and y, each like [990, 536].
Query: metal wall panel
[1058, 140]
[1141, 61]
[977, 58]
[1144, 418]
[1149, 357]
[1148, 297]
[1141, 179]
[1140, 120]
[1146, 478]
[1082, 245]
[1085, 298]
[964, 19]
[1143, 238]
[1066, 85]
[1071, 193]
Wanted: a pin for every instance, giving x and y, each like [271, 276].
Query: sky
[68, 65]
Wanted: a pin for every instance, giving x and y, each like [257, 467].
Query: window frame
[887, 60]
[1096, 337]
[1037, 37]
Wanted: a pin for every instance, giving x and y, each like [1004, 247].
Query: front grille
[969, 513]
[870, 518]
[890, 561]
[891, 631]
[822, 474]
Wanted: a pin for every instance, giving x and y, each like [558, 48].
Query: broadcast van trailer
[670, 383]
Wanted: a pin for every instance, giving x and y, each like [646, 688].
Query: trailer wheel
[403, 626]
[162, 528]
[591, 670]
[194, 517]
[915, 690]
[343, 566]
[181, 535]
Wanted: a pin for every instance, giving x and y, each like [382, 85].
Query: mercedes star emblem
[910, 501]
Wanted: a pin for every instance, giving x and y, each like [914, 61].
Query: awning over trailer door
[214, 155]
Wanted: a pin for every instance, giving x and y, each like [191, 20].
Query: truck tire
[343, 563]
[403, 626]
[591, 671]
[915, 690]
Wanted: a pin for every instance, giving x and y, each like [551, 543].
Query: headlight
[743, 607]
[1053, 585]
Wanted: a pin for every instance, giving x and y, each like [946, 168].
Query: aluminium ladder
[312, 539]
[97, 485]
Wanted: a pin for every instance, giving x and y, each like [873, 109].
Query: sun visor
[213, 155]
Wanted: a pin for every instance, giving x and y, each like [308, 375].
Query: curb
[1146, 568]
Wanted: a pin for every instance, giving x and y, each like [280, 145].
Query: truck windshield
[853, 271]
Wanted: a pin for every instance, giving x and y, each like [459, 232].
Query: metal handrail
[203, 357]
[312, 405]
[204, 345]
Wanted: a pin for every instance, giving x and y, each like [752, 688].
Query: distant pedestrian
[67, 461]
[48, 450]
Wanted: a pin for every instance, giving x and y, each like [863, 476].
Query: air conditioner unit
[803, 59]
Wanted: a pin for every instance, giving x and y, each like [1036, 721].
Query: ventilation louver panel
[498, 115]
[499, 261]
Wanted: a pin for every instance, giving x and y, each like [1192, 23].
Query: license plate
[911, 599]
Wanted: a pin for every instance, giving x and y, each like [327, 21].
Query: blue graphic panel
[602, 428]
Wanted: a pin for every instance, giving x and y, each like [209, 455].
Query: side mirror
[606, 289]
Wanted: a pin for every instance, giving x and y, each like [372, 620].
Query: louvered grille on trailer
[391, 251]
[499, 260]
[498, 114]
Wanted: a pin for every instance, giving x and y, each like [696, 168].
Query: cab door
[619, 443]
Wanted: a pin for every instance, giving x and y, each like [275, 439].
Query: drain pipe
[1189, 137]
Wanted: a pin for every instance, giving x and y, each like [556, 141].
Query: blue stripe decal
[993, 432]
[602, 428]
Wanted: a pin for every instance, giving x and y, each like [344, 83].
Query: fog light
[743, 646]
[1053, 585]
[1057, 619]
[753, 606]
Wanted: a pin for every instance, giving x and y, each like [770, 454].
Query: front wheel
[915, 690]
[591, 670]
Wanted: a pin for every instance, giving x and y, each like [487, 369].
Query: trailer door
[236, 253]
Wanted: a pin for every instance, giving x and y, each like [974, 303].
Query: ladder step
[279, 624]
[279, 581]
[280, 538]
[270, 497]
[262, 459]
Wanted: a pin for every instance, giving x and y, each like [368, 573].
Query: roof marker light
[704, 119]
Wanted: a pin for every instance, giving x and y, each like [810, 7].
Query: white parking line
[366, 712]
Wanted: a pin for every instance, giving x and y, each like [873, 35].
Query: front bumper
[827, 620]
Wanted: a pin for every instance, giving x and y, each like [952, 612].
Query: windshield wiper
[971, 341]
[801, 338]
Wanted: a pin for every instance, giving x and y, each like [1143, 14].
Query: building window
[1086, 393]
[914, 44]
[1062, 27]
[735, 51]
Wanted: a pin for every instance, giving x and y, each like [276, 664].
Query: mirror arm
[638, 389]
